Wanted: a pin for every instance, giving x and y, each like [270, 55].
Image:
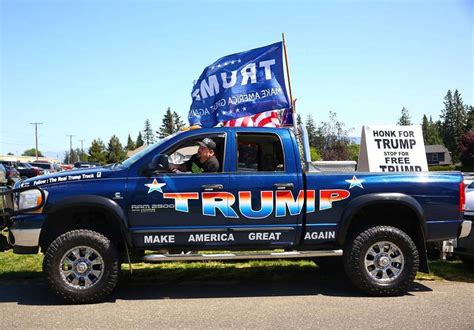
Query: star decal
[355, 182]
[155, 186]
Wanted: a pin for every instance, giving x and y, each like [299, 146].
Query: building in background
[437, 154]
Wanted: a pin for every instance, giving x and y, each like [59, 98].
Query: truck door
[268, 189]
[166, 209]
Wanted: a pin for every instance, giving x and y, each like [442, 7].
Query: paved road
[298, 304]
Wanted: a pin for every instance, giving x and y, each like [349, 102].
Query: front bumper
[22, 228]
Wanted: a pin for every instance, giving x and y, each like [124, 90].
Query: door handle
[283, 186]
[212, 187]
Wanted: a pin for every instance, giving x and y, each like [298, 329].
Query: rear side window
[259, 153]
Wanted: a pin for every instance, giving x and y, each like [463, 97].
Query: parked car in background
[12, 175]
[3, 177]
[86, 164]
[66, 167]
[464, 247]
[46, 166]
[26, 170]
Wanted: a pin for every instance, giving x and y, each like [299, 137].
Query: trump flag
[240, 85]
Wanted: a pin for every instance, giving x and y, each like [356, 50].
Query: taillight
[462, 197]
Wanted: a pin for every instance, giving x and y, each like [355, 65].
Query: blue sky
[97, 68]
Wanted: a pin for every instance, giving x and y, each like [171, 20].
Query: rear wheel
[382, 261]
[82, 266]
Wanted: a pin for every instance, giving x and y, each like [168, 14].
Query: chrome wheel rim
[81, 267]
[384, 262]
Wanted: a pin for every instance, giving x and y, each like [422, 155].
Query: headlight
[30, 199]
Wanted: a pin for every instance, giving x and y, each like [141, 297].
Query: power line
[36, 137]
[70, 147]
[82, 150]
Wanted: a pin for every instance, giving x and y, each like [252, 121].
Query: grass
[23, 267]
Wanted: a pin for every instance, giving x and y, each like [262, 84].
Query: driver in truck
[203, 161]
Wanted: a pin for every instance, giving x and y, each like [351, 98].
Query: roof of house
[435, 148]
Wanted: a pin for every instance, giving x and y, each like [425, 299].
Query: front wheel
[82, 266]
[382, 261]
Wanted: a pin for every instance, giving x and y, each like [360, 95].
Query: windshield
[141, 153]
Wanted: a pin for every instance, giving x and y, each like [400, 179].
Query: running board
[241, 256]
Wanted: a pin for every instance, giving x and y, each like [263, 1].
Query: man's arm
[185, 167]
[178, 167]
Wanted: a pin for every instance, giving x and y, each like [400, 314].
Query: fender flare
[360, 202]
[104, 203]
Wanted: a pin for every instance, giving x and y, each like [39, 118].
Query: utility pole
[82, 150]
[36, 137]
[70, 147]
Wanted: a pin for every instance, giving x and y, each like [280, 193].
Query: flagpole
[292, 102]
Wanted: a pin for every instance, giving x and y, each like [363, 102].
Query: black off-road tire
[354, 261]
[70, 240]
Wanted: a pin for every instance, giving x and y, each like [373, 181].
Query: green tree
[32, 152]
[115, 151]
[10, 154]
[334, 139]
[311, 129]
[424, 127]
[130, 143]
[453, 122]
[299, 121]
[178, 122]
[167, 125]
[354, 151]
[97, 152]
[404, 119]
[470, 118]
[171, 123]
[140, 141]
[315, 155]
[148, 133]
[431, 131]
[71, 157]
[81, 155]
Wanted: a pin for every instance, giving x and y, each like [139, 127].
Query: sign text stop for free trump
[391, 148]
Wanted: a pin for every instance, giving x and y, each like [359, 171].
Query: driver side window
[186, 152]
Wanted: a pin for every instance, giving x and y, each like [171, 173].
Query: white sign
[391, 148]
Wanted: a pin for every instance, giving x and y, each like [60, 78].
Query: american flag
[264, 119]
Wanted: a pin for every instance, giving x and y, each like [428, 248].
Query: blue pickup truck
[265, 195]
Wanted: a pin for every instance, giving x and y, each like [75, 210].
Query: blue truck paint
[379, 222]
[434, 197]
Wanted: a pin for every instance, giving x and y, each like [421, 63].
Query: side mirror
[159, 163]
